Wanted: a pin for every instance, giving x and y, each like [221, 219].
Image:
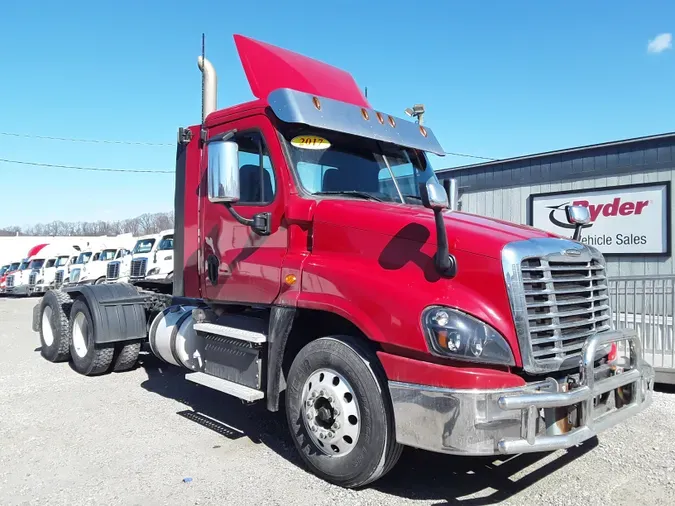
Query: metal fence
[647, 304]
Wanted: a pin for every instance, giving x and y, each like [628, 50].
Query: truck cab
[19, 282]
[320, 267]
[150, 263]
[58, 259]
[11, 269]
[76, 268]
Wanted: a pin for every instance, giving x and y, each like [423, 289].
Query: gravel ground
[134, 437]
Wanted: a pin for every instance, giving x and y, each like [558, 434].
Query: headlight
[453, 334]
[153, 271]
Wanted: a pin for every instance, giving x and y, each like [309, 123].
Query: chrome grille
[32, 278]
[113, 271]
[138, 267]
[559, 298]
[10, 281]
[58, 278]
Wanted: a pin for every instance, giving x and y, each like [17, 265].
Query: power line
[472, 156]
[77, 167]
[99, 141]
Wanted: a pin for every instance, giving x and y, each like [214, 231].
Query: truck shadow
[418, 474]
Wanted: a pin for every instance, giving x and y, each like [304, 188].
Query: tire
[100, 281]
[127, 357]
[88, 358]
[361, 447]
[54, 326]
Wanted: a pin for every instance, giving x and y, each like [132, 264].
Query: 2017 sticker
[310, 142]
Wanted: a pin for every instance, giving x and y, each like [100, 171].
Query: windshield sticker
[310, 142]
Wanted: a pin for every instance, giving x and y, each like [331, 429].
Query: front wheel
[339, 412]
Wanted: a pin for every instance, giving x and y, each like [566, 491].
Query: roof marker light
[365, 114]
[316, 102]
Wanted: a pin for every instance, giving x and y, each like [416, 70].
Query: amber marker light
[317, 104]
[392, 121]
[423, 131]
[290, 279]
[365, 114]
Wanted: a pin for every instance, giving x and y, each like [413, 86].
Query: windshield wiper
[416, 197]
[356, 193]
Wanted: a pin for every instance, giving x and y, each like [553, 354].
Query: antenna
[366, 91]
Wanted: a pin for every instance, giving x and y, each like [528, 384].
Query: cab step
[231, 332]
[228, 387]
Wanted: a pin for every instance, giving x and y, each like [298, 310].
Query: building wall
[501, 190]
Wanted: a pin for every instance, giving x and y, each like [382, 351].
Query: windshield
[14, 266]
[83, 258]
[50, 263]
[4, 269]
[107, 254]
[37, 264]
[24, 265]
[341, 163]
[61, 261]
[166, 243]
[144, 246]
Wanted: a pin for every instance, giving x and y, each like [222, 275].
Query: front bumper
[542, 416]
[19, 290]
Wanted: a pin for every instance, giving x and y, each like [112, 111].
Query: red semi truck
[319, 268]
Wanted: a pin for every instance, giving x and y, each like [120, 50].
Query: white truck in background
[150, 262]
[114, 249]
[59, 257]
[19, 282]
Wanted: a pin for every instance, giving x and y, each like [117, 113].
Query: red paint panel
[269, 67]
[408, 370]
[193, 179]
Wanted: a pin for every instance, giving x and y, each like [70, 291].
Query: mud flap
[117, 311]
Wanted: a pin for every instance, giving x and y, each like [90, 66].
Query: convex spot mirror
[578, 215]
[433, 195]
[223, 171]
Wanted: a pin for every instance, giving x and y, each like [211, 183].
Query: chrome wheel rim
[79, 335]
[331, 412]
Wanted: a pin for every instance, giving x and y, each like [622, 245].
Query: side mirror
[433, 195]
[223, 171]
[579, 216]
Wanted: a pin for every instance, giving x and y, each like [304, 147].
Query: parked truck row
[320, 267]
[146, 260]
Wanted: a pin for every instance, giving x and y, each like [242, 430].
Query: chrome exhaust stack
[209, 86]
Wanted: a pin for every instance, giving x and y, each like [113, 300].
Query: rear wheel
[88, 359]
[339, 412]
[54, 326]
[127, 356]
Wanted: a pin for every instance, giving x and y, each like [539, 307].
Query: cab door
[238, 264]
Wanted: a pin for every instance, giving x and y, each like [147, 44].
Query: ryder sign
[625, 220]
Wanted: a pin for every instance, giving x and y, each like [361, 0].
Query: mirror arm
[445, 262]
[221, 137]
[261, 222]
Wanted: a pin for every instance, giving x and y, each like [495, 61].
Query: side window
[256, 176]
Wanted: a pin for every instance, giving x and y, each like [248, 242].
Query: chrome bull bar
[592, 419]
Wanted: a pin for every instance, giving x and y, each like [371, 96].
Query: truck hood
[466, 232]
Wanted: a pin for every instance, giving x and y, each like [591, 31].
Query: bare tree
[149, 223]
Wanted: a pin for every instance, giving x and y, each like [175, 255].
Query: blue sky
[498, 79]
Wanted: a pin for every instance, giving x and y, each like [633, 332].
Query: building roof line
[609, 144]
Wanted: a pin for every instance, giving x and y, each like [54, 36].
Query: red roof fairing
[35, 250]
[269, 67]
